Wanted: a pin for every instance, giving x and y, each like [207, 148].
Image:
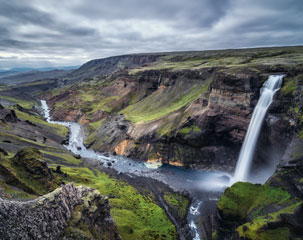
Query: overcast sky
[39, 33]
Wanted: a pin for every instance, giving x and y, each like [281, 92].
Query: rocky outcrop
[254, 211]
[8, 115]
[67, 213]
[27, 171]
[21, 127]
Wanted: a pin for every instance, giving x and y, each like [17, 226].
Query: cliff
[67, 213]
[188, 109]
[273, 210]
[270, 211]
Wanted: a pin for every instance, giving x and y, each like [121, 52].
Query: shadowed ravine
[202, 185]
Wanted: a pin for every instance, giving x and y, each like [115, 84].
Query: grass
[60, 130]
[23, 103]
[255, 233]
[28, 173]
[165, 101]
[289, 86]
[257, 228]
[244, 198]
[179, 203]
[186, 130]
[66, 158]
[226, 58]
[137, 216]
[91, 130]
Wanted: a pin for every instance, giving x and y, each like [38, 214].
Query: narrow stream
[200, 184]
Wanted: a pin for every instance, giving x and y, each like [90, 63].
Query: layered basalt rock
[67, 213]
[205, 133]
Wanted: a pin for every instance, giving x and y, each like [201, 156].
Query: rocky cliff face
[183, 110]
[205, 130]
[273, 210]
[67, 213]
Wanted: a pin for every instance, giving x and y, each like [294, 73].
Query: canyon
[186, 111]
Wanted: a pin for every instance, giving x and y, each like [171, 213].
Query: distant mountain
[32, 76]
[17, 70]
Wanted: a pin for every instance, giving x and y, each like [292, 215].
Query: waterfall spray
[270, 87]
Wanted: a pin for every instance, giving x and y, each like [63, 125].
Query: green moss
[165, 101]
[137, 217]
[65, 158]
[27, 172]
[177, 202]
[243, 198]
[289, 87]
[257, 229]
[289, 209]
[22, 102]
[214, 235]
[254, 231]
[186, 130]
[169, 124]
[60, 130]
[12, 192]
[32, 170]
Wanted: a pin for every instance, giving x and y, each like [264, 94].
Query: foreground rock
[69, 212]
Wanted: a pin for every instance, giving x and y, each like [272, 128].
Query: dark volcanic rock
[7, 115]
[67, 213]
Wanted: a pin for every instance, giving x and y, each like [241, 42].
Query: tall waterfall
[270, 87]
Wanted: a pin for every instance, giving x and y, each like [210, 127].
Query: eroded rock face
[206, 133]
[67, 213]
[7, 115]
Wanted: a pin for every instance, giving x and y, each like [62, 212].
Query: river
[203, 186]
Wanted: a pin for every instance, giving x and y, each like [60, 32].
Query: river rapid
[203, 186]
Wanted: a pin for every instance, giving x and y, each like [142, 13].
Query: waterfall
[159, 81]
[270, 87]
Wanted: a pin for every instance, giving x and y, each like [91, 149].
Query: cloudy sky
[39, 33]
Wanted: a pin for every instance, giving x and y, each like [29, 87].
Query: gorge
[161, 134]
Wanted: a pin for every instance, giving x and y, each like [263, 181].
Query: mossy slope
[136, 215]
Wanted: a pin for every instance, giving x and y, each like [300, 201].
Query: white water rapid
[270, 87]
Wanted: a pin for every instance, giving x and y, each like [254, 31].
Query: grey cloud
[76, 31]
[19, 12]
[193, 12]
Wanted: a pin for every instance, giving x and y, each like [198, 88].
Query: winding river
[203, 186]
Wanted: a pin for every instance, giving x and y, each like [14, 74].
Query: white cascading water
[270, 87]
